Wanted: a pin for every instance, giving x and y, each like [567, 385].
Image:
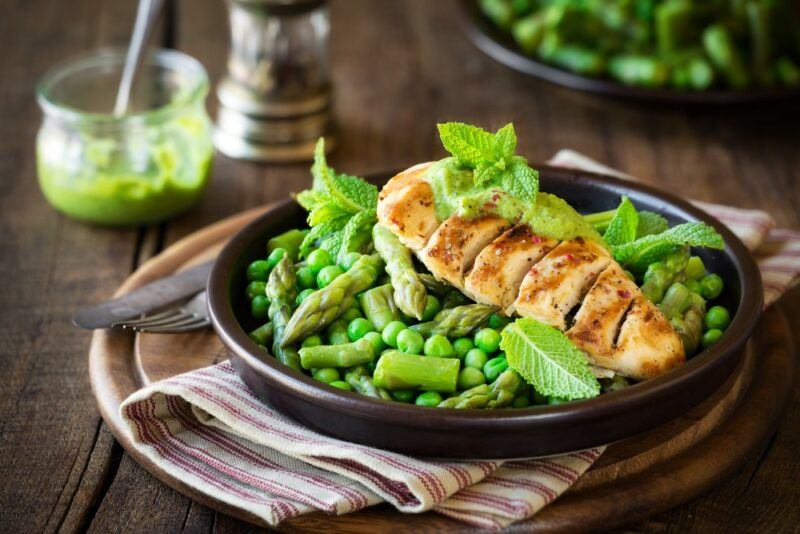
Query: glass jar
[145, 166]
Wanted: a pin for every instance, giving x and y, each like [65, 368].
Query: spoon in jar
[146, 15]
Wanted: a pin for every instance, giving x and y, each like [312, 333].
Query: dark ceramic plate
[449, 433]
[501, 47]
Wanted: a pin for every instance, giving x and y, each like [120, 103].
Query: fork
[186, 317]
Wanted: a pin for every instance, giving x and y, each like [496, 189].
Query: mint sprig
[548, 360]
[491, 157]
[622, 228]
[638, 254]
[341, 208]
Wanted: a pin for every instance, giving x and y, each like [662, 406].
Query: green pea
[302, 296]
[717, 318]
[469, 377]
[462, 346]
[390, 332]
[432, 307]
[341, 384]
[439, 346]
[259, 307]
[306, 278]
[403, 395]
[328, 274]
[326, 374]
[258, 270]
[352, 313]
[376, 340]
[311, 341]
[410, 341]
[349, 259]
[255, 288]
[337, 333]
[494, 367]
[521, 401]
[498, 321]
[275, 256]
[711, 286]
[488, 340]
[710, 337]
[318, 260]
[694, 270]
[428, 398]
[476, 358]
[358, 328]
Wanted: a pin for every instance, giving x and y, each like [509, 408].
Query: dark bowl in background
[473, 434]
[501, 47]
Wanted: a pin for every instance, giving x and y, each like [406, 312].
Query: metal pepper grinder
[275, 99]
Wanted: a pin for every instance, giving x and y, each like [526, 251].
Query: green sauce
[136, 177]
[549, 216]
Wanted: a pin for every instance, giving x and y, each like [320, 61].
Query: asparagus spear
[456, 322]
[397, 370]
[347, 355]
[434, 286]
[409, 292]
[690, 326]
[263, 334]
[497, 395]
[378, 306]
[722, 51]
[281, 292]
[661, 274]
[323, 306]
[358, 377]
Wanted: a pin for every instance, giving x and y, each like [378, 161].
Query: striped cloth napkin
[208, 430]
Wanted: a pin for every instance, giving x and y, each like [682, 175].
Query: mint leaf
[520, 180]
[505, 141]
[332, 242]
[356, 233]
[651, 223]
[311, 199]
[470, 145]
[548, 360]
[320, 231]
[637, 255]
[486, 172]
[622, 228]
[350, 193]
[325, 212]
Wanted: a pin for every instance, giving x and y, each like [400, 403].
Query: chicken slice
[556, 284]
[500, 267]
[452, 248]
[598, 320]
[406, 207]
[647, 345]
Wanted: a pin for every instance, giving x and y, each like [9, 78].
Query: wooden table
[398, 68]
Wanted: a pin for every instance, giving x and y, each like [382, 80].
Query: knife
[146, 298]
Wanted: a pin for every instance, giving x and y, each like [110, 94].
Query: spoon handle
[146, 14]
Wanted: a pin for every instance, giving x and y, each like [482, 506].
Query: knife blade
[144, 299]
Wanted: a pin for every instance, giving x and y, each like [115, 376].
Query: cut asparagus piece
[397, 370]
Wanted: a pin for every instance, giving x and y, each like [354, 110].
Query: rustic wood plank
[54, 453]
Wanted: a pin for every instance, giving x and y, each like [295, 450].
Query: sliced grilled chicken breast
[500, 267]
[555, 285]
[599, 318]
[647, 345]
[406, 207]
[532, 276]
[452, 248]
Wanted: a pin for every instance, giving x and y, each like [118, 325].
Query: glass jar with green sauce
[148, 165]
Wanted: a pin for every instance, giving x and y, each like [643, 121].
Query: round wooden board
[632, 480]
